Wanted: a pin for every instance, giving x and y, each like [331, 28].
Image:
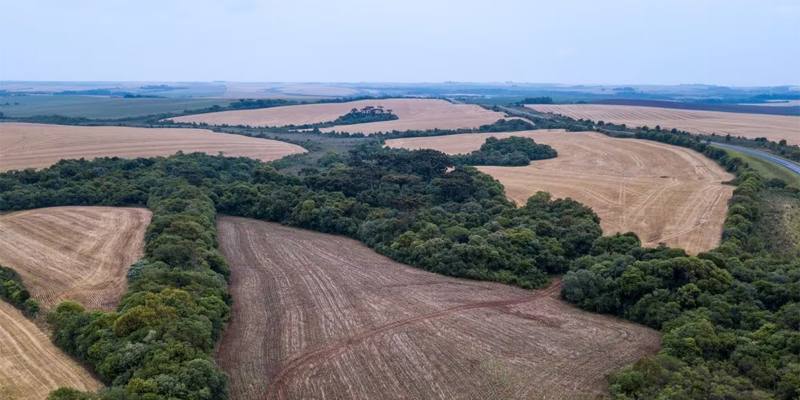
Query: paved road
[763, 155]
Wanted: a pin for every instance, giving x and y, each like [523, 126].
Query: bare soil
[30, 364]
[74, 253]
[411, 113]
[772, 127]
[41, 145]
[663, 193]
[322, 316]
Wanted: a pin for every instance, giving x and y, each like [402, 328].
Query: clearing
[30, 364]
[75, 253]
[772, 127]
[41, 145]
[322, 316]
[412, 114]
[663, 193]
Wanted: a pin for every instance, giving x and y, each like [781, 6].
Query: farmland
[663, 193]
[40, 145]
[772, 127]
[75, 253]
[322, 316]
[99, 106]
[414, 114]
[30, 365]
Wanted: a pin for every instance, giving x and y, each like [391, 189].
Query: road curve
[763, 155]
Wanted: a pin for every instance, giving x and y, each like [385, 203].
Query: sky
[725, 42]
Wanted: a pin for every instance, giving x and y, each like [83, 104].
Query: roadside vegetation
[767, 170]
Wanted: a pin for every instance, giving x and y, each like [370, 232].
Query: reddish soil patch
[322, 316]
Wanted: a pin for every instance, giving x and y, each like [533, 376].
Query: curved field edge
[74, 253]
[31, 366]
[24, 145]
[321, 315]
[737, 227]
[752, 126]
[413, 114]
[665, 194]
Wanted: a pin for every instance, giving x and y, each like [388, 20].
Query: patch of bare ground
[30, 364]
[412, 114]
[772, 127]
[322, 316]
[663, 193]
[74, 253]
[41, 145]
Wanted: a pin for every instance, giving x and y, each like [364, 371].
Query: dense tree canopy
[510, 151]
[13, 291]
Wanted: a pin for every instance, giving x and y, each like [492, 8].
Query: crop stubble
[772, 127]
[74, 253]
[40, 145]
[30, 364]
[663, 193]
[412, 114]
[321, 316]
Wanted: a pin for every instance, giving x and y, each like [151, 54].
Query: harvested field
[322, 316]
[772, 127]
[411, 113]
[663, 193]
[74, 253]
[41, 145]
[30, 364]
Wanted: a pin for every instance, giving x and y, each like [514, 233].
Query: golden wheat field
[772, 127]
[411, 113]
[665, 194]
[40, 145]
[74, 253]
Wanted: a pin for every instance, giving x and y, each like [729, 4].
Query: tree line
[157, 344]
[14, 292]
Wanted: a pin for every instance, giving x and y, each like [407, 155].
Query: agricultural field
[101, 107]
[73, 253]
[40, 145]
[665, 194]
[30, 364]
[322, 316]
[412, 114]
[772, 127]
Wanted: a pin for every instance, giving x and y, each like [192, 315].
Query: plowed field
[30, 364]
[665, 194]
[411, 113]
[772, 127]
[73, 253]
[321, 316]
[41, 145]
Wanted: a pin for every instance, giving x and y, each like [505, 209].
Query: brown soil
[73, 253]
[41, 145]
[411, 113]
[663, 193]
[772, 127]
[321, 316]
[30, 364]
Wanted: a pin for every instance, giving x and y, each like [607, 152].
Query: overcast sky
[725, 42]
